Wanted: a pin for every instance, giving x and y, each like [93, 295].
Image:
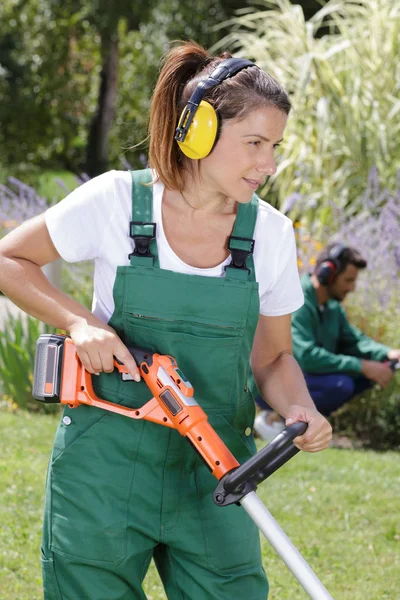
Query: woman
[194, 266]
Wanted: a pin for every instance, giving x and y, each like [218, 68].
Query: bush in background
[20, 201]
[345, 93]
[17, 354]
[371, 225]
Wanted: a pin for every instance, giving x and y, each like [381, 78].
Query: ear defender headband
[198, 125]
[328, 269]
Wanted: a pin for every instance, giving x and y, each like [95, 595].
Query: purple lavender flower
[19, 202]
[290, 202]
[372, 225]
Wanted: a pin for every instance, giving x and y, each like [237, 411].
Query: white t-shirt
[93, 223]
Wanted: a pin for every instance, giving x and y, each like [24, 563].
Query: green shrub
[17, 354]
[374, 229]
[374, 417]
[77, 281]
[345, 92]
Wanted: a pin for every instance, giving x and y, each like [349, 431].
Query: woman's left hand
[319, 432]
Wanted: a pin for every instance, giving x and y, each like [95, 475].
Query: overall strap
[142, 229]
[241, 242]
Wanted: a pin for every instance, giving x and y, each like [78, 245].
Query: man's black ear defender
[198, 125]
[327, 270]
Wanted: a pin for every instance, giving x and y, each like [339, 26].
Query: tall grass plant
[345, 90]
[18, 339]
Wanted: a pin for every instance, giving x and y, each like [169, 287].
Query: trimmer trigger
[126, 377]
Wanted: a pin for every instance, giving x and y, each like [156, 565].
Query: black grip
[143, 359]
[247, 476]
[394, 364]
[141, 355]
[279, 451]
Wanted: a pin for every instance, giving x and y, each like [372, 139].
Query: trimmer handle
[140, 355]
[394, 364]
[244, 479]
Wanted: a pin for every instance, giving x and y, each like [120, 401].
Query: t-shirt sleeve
[285, 295]
[77, 225]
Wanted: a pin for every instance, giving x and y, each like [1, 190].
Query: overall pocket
[231, 538]
[207, 355]
[75, 423]
[90, 483]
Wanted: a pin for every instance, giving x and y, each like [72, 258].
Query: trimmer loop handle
[238, 483]
[394, 364]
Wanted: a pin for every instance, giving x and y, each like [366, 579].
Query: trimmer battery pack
[48, 368]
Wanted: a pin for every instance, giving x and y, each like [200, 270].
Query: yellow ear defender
[198, 125]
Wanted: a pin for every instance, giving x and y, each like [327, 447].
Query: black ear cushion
[327, 272]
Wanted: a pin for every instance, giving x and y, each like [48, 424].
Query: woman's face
[244, 154]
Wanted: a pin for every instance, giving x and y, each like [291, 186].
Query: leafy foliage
[77, 281]
[17, 353]
[49, 61]
[140, 53]
[373, 227]
[19, 202]
[345, 91]
[51, 57]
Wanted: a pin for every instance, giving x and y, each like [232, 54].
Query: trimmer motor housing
[48, 368]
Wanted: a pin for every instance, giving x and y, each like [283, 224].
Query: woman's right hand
[96, 347]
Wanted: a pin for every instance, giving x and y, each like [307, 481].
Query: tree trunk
[97, 148]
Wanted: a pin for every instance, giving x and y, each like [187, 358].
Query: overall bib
[121, 491]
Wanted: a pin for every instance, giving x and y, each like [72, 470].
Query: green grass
[340, 508]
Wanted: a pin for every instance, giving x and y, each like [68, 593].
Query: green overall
[120, 491]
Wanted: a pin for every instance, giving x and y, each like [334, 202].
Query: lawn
[340, 508]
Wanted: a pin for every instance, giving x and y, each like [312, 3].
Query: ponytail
[179, 66]
[182, 69]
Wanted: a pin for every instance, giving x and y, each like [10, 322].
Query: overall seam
[163, 486]
[57, 586]
[134, 460]
[173, 573]
[144, 568]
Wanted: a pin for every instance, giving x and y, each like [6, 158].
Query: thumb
[124, 356]
[292, 416]
[297, 413]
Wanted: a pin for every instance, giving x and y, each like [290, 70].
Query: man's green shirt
[323, 339]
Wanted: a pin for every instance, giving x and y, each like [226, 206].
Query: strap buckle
[240, 248]
[145, 234]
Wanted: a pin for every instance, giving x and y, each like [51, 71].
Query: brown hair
[349, 256]
[182, 69]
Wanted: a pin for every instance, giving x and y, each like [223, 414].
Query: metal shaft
[284, 547]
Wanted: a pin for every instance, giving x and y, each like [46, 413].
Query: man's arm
[355, 343]
[309, 352]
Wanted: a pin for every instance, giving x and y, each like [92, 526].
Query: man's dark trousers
[330, 391]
